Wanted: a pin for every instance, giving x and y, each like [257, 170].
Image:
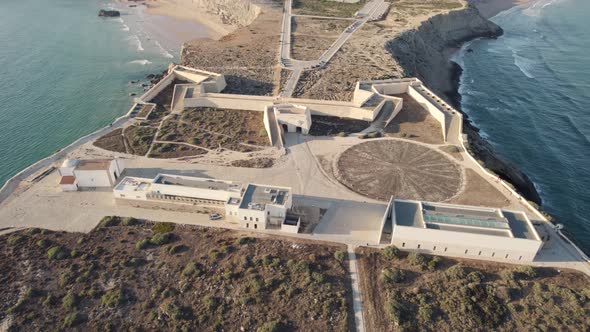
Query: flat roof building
[254, 206]
[458, 230]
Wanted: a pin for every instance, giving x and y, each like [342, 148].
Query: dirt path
[357, 300]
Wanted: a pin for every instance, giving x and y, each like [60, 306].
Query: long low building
[458, 230]
[253, 206]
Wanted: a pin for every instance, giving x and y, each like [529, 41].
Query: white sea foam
[142, 62]
[525, 65]
[164, 52]
[125, 27]
[134, 40]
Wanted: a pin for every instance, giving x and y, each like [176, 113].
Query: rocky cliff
[424, 52]
[234, 12]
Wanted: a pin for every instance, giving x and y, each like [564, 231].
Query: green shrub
[33, 231]
[142, 244]
[57, 253]
[109, 221]
[397, 310]
[113, 298]
[177, 312]
[175, 249]
[318, 277]
[262, 132]
[528, 272]
[272, 326]
[456, 272]
[390, 252]
[15, 239]
[341, 134]
[246, 240]
[43, 243]
[393, 275]
[340, 255]
[70, 301]
[129, 221]
[433, 263]
[161, 238]
[425, 313]
[475, 276]
[418, 259]
[163, 227]
[73, 319]
[192, 269]
[507, 275]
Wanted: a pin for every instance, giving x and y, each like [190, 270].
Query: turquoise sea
[529, 93]
[65, 72]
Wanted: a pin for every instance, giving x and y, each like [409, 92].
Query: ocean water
[529, 93]
[65, 72]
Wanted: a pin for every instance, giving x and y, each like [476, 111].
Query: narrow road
[357, 300]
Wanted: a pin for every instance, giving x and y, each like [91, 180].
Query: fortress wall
[392, 88]
[158, 87]
[430, 107]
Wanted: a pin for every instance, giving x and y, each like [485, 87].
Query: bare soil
[213, 128]
[254, 163]
[479, 192]
[112, 141]
[247, 57]
[383, 168]
[415, 123]
[329, 125]
[171, 150]
[428, 293]
[121, 278]
[326, 8]
[453, 150]
[311, 37]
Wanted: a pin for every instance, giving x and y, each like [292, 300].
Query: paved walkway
[357, 299]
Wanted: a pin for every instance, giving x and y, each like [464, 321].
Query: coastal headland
[292, 156]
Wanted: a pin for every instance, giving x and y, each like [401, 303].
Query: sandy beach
[490, 8]
[187, 10]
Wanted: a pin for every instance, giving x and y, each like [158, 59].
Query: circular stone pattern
[384, 168]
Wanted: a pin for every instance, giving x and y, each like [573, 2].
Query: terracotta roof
[93, 165]
[68, 179]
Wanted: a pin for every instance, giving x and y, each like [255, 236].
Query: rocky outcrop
[234, 12]
[109, 13]
[424, 52]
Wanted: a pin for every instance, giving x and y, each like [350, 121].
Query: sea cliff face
[424, 52]
[234, 12]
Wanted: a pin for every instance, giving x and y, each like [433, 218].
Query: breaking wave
[142, 62]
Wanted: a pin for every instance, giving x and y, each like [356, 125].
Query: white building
[253, 206]
[457, 230]
[293, 118]
[76, 174]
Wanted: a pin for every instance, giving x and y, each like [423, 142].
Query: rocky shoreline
[425, 52]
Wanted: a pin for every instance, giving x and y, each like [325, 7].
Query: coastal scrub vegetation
[407, 292]
[326, 8]
[130, 274]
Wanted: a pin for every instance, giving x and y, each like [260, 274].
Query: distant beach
[491, 8]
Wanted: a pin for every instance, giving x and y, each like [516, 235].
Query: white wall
[435, 241]
[97, 178]
[430, 107]
[391, 88]
[293, 229]
[250, 218]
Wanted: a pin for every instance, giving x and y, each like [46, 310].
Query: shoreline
[491, 8]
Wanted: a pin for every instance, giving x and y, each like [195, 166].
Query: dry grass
[137, 277]
[112, 141]
[326, 8]
[418, 292]
[480, 192]
[139, 139]
[415, 123]
[214, 128]
[171, 150]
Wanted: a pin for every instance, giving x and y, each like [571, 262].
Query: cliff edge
[424, 52]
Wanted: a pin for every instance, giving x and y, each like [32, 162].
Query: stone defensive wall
[258, 103]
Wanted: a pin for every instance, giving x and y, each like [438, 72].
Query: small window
[506, 256]
[493, 254]
[403, 244]
[519, 258]
[446, 249]
[418, 246]
[250, 218]
[256, 219]
[255, 226]
[434, 248]
[479, 254]
[245, 218]
[122, 195]
[466, 251]
[247, 225]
